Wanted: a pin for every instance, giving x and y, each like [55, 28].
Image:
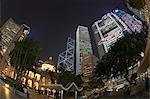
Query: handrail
[64, 88]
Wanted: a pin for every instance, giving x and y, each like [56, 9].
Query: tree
[95, 82]
[124, 53]
[137, 4]
[64, 77]
[104, 66]
[78, 80]
[53, 76]
[24, 54]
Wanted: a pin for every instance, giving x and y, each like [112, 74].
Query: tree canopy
[137, 4]
[125, 53]
[65, 77]
[95, 82]
[24, 54]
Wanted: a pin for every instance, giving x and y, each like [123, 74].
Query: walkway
[5, 93]
[35, 95]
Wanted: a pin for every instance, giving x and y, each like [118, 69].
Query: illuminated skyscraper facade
[83, 46]
[107, 31]
[66, 58]
[89, 63]
[131, 21]
[111, 27]
[10, 33]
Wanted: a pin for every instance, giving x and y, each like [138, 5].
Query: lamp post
[76, 94]
[61, 94]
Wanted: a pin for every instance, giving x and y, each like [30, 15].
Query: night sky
[52, 21]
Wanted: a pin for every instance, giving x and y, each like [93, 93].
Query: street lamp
[142, 54]
[6, 85]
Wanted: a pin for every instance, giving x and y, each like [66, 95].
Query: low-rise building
[33, 78]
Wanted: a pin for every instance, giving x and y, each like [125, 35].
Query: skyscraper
[66, 58]
[107, 31]
[131, 21]
[83, 46]
[10, 33]
[88, 66]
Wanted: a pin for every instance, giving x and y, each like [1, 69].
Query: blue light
[116, 10]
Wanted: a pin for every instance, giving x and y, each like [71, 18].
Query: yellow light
[42, 88]
[48, 66]
[37, 76]
[6, 85]
[4, 50]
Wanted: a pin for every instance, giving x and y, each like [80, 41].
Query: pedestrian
[46, 92]
[128, 92]
[27, 94]
[14, 88]
[26, 91]
[147, 83]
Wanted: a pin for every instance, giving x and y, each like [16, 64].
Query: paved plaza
[6, 93]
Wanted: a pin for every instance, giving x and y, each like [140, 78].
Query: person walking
[128, 91]
[14, 90]
[26, 91]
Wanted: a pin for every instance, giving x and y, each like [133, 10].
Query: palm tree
[24, 55]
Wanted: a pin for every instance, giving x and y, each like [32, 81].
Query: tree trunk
[24, 60]
[146, 60]
[19, 58]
